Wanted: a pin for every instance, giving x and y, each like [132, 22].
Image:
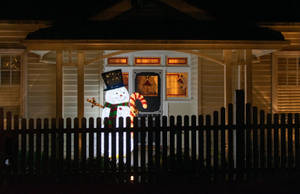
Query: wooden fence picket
[165, 164]
[269, 141]
[15, 153]
[216, 140]
[75, 166]
[23, 159]
[283, 141]
[45, 157]
[276, 141]
[230, 142]
[157, 130]
[53, 147]
[223, 138]
[255, 139]
[193, 142]
[31, 147]
[201, 142]
[38, 145]
[121, 147]
[150, 145]
[179, 142]
[262, 140]
[83, 131]
[68, 144]
[290, 141]
[172, 143]
[136, 135]
[208, 141]
[248, 137]
[60, 150]
[128, 145]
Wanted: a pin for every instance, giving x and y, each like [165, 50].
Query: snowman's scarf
[113, 111]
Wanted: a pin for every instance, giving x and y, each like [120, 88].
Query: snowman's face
[117, 96]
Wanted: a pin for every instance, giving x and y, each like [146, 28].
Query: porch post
[59, 61]
[228, 94]
[80, 85]
[248, 76]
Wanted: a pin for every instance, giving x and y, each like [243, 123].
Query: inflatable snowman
[116, 106]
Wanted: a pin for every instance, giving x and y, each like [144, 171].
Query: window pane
[172, 61]
[5, 62]
[147, 85]
[5, 77]
[177, 84]
[117, 61]
[125, 79]
[153, 61]
[15, 63]
[16, 77]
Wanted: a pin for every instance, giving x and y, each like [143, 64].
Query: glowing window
[177, 61]
[147, 61]
[177, 84]
[10, 70]
[118, 61]
[125, 79]
[147, 85]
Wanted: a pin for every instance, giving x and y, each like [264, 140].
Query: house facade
[49, 69]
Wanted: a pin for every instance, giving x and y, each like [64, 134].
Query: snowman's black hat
[113, 79]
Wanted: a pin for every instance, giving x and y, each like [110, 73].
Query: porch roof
[154, 35]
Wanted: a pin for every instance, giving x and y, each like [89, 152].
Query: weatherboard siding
[211, 89]
[41, 88]
[262, 83]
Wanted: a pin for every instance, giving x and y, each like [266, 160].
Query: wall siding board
[262, 83]
[41, 88]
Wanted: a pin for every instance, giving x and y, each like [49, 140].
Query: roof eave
[153, 44]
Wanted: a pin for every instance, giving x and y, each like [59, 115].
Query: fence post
[1, 119]
[240, 117]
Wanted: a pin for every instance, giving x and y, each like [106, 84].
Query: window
[177, 84]
[125, 79]
[9, 70]
[176, 61]
[147, 85]
[147, 61]
[117, 61]
[288, 84]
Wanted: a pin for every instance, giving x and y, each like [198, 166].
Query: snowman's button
[120, 108]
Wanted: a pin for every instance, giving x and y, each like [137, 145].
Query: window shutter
[288, 84]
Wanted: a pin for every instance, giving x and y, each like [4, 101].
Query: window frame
[275, 84]
[11, 55]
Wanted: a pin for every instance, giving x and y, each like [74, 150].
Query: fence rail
[155, 149]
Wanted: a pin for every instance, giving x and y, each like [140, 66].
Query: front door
[148, 83]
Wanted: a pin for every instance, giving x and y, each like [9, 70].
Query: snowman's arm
[105, 112]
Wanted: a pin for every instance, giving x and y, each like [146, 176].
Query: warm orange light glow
[176, 61]
[147, 85]
[147, 61]
[125, 79]
[118, 61]
[177, 84]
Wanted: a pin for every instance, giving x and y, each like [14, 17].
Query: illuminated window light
[147, 61]
[118, 61]
[177, 84]
[177, 61]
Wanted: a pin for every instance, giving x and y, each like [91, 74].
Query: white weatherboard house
[183, 62]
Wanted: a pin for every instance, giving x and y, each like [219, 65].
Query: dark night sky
[255, 10]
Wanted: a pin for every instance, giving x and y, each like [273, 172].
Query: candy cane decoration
[133, 110]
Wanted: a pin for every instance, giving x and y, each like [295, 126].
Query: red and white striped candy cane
[133, 110]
